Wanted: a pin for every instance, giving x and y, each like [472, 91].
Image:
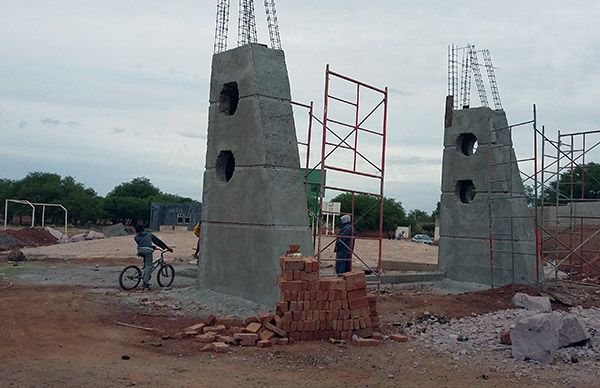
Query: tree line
[367, 210]
[128, 202]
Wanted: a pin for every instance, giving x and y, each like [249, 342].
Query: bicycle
[131, 276]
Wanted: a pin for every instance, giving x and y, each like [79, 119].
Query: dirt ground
[57, 328]
[184, 244]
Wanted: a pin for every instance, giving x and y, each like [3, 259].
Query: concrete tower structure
[483, 195]
[254, 202]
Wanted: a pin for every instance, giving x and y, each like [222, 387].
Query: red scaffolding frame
[332, 142]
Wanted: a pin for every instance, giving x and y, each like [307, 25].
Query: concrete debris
[93, 235]
[572, 332]
[116, 230]
[536, 338]
[16, 255]
[485, 330]
[78, 237]
[539, 304]
[55, 233]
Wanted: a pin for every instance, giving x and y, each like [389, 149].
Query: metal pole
[5, 213]
[323, 143]
[535, 196]
[43, 214]
[381, 191]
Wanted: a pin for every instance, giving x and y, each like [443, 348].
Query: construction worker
[197, 234]
[145, 250]
[344, 246]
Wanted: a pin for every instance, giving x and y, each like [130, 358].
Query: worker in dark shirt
[145, 248]
[344, 246]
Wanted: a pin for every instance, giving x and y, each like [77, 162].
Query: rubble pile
[519, 333]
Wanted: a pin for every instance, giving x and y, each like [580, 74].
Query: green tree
[83, 203]
[366, 210]
[129, 202]
[583, 179]
[436, 213]
[140, 187]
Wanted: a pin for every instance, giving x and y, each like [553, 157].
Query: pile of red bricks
[311, 308]
[314, 308]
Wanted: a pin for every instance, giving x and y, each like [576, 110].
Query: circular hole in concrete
[467, 144]
[230, 96]
[465, 190]
[225, 166]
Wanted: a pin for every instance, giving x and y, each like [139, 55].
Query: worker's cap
[346, 218]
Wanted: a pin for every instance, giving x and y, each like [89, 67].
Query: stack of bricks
[315, 308]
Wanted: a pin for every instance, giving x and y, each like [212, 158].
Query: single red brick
[311, 276]
[365, 342]
[253, 327]
[291, 285]
[505, 337]
[214, 329]
[206, 338]
[283, 341]
[337, 284]
[377, 336]
[293, 264]
[354, 276]
[266, 335]
[246, 339]
[358, 303]
[209, 320]
[264, 344]
[399, 338]
[362, 323]
[356, 286]
[357, 294]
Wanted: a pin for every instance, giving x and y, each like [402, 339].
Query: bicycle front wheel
[130, 277]
[166, 275]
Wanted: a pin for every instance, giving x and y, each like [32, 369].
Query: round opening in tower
[465, 190]
[225, 166]
[230, 96]
[467, 144]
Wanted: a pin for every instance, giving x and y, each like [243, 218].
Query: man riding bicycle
[145, 249]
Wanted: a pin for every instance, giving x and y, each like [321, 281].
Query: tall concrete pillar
[482, 192]
[253, 202]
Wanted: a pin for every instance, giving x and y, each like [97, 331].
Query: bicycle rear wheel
[130, 277]
[166, 275]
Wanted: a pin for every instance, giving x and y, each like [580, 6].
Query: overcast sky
[108, 90]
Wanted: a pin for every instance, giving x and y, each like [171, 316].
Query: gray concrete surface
[249, 220]
[498, 201]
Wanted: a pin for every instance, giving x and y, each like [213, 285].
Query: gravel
[466, 337]
[192, 301]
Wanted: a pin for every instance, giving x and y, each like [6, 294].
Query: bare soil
[55, 333]
[67, 336]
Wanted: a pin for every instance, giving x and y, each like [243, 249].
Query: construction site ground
[58, 328]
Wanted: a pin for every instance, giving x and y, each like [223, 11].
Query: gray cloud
[399, 91]
[414, 161]
[192, 135]
[22, 124]
[118, 130]
[52, 122]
